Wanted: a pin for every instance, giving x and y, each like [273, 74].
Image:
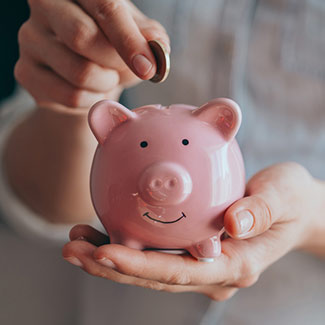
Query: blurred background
[12, 15]
[278, 79]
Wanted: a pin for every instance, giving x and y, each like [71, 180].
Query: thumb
[272, 194]
[251, 216]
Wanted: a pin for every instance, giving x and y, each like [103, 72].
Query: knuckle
[247, 269]
[222, 295]
[36, 5]
[20, 72]
[83, 74]
[246, 282]
[81, 35]
[156, 25]
[154, 285]
[293, 166]
[297, 171]
[66, 250]
[98, 273]
[33, 3]
[241, 267]
[24, 32]
[106, 9]
[262, 213]
[178, 278]
[113, 81]
[266, 214]
[75, 98]
[17, 70]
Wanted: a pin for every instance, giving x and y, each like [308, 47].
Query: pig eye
[185, 142]
[144, 144]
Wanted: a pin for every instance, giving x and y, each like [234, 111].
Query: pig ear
[223, 114]
[106, 115]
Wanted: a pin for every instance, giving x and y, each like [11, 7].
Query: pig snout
[165, 184]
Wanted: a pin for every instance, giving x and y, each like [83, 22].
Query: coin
[162, 61]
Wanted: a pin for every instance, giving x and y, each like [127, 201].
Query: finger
[164, 268]
[254, 214]
[250, 217]
[116, 20]
[271, 193]
[80, 253]
[253, 255]
[47, 87]
[86, 232]
[74, 68]
[80, 33]
[153, 30]
[237, 266]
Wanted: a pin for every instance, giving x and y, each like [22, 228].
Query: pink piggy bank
[162, 177]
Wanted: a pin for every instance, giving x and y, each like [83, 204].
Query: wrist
[315, 236]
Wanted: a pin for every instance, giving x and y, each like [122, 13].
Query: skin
[287, 206]
[87, 52]
[74, 53]
[49, 170]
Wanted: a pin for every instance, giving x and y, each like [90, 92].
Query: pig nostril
[170, 183]
[164, 183]
[156, 184]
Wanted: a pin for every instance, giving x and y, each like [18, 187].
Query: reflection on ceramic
[162, 177]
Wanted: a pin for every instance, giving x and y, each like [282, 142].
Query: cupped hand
[78, 52]
[277, 214]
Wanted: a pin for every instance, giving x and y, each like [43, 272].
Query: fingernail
[73, 260]
[106, 262]
[141, 64]
[245, 221]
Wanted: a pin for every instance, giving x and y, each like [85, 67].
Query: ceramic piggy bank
[162, 177]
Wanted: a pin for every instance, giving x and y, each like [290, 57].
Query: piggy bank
[162, 177]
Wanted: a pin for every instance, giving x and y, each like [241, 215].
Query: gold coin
[162, 61]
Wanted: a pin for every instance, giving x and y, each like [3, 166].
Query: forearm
[48, 158]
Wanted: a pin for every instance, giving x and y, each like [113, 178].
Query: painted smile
[157, 220]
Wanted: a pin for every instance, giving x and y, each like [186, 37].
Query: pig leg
[206, 250]
[132, 243]
[114, 238]
[117, 238]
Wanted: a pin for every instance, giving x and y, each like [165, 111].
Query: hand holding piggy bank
[162, 177]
